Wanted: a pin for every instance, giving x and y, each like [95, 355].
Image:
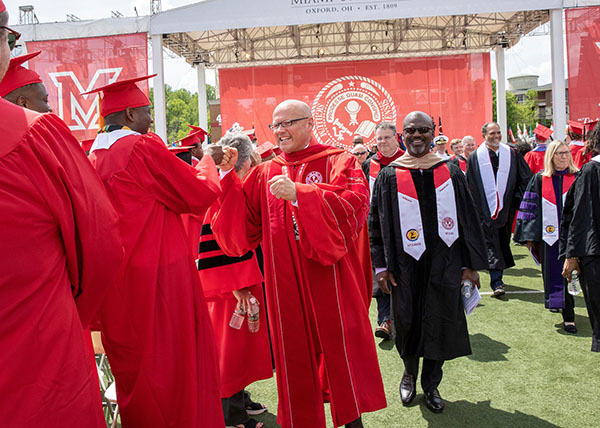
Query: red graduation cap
[86, 145]
[267, 149]
[119, 95]
[250, 132]
[542, 132]
[576, 127]
[188, 142]
[590, 125]
[2, 7]
[18, 76]
[195, 128]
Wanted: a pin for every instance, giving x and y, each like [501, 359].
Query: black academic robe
[529, 228]
[428, 310]
[580, 237]
[497, 232]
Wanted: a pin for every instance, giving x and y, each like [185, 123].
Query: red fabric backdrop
[583, 54]
[69, 67]
[349, 98]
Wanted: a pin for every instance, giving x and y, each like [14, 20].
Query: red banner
[583, 54]
[70, 67]
[350, 98]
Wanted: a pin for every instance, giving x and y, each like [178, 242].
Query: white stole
[411, 222]
[494, 188]
[106, 139]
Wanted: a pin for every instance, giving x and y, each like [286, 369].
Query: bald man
[308, 207]
[361, 153]
[425, 240]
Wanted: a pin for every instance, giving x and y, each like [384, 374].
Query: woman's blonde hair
[549, 169]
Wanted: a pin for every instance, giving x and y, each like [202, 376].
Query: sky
[530, 56]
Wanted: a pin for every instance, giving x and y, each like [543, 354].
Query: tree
[517, 113]
[182, 110]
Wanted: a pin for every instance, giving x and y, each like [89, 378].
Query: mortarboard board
[188, 142]
[576, 127]
[18, 76]
[590, 125]
[197, 128]
[542, 132]
[265, 150]
[119, 95]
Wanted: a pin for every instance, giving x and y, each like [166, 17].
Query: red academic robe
[59, 248]
[315, 284]
[244, 357]
[155, 327]
[535, 159]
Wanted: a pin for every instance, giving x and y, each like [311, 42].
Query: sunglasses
[359, 153]
[13, 36]
[422, 130]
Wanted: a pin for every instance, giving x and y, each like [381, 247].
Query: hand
[230, 157]
[469, 274]
[283, 188]
[382, 281]
[569, 266]
[243, 297]
[215, 152]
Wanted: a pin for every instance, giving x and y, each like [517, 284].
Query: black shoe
[408, 389]
[499, 292]
[434, 401]
[569, 328]
[355, 424]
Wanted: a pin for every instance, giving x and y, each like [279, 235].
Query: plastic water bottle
[467, 287]
[573, 286]
[237, 318]
[254, 316]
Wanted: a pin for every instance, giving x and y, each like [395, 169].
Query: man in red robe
[24, 87]
[308, 206]
[155, 328]
[59, 247]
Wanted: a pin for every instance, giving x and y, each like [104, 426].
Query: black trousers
[590, 284]
[431, 374]
[234, 409]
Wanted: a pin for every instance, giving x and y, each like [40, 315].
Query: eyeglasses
[562, 153]
[13, 36]
[285, 123]
[422, 130]
[359, 153]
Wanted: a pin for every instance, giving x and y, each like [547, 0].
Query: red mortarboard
[188, 142]
[119, 95]
[250, 132]
[18, 76]
[542, 132]
[197, 128]
[576, 127]
[267, 149]
[2, 7]
[86, 145]
[590, 125]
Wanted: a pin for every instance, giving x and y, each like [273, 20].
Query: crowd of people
[207, 267]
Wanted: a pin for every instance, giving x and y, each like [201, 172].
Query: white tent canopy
[233, 33]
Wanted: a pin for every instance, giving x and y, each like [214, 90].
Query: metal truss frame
[339, 41]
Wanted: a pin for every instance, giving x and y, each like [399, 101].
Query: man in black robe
[497, 197]
[580, 234]
[426, 294]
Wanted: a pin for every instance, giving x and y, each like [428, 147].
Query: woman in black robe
[580, 234]
[559, 168]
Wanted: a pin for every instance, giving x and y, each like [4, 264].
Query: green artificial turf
[525, 371]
